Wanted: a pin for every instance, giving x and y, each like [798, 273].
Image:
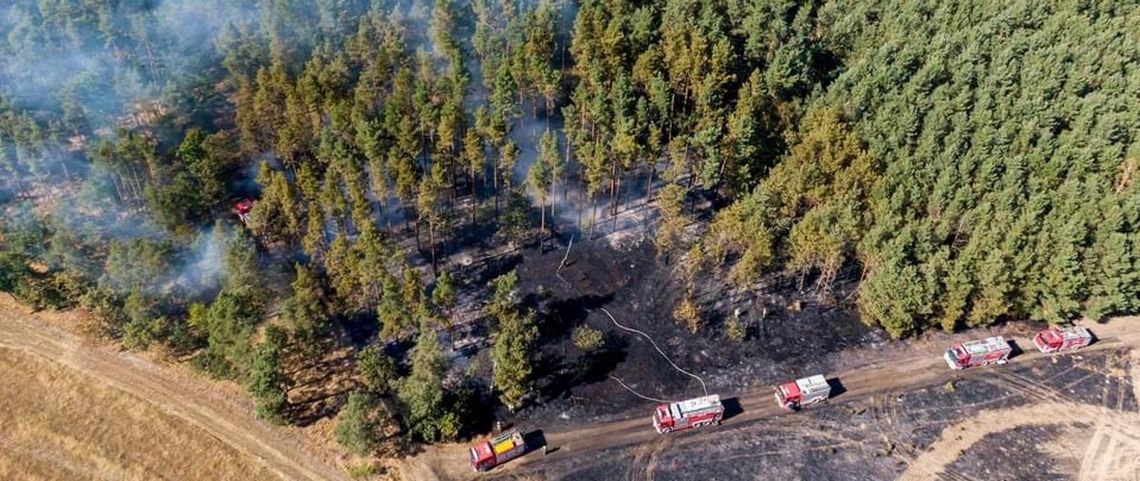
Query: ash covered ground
[790, 334]
[785, 338]
[881, 438]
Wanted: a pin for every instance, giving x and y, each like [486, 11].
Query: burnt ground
[1016, 454]
[641, 292]
[879, 438]
[790, 334]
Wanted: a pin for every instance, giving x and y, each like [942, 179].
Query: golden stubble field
[58, 424]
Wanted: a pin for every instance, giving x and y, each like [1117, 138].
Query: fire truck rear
[1056, 339]
[694, 412]
[978, 353]
[498, 450]
[809, 390]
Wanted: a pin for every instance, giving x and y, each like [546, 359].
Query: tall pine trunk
[593, 214]
[541, 225]
[553, 202]
[649, 185]
[431, 246]
[495, 185]
[614, 197]
[474, 199]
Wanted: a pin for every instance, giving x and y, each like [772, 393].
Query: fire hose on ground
[557, 273]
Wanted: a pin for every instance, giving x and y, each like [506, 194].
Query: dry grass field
[58, 424]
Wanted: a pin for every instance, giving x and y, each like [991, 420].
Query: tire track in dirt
[909, 371]
[1101, 460]
[176, 397]
[956, 438]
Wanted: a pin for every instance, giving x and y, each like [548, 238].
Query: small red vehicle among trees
[242, 208]
[694, 412]
[1056, 339]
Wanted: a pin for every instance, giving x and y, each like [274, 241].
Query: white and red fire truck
[506, 446]
[978, 353]
[694, 412]
[801, 392]
[1056, 339]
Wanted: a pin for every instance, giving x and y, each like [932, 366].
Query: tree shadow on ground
[565, 314]
[479, 407]
[317, 406]
[563, 375]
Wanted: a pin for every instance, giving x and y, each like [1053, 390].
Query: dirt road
[233, 424]
[920, 368]
[179, 396]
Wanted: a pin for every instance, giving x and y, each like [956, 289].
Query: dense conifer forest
[971, 161]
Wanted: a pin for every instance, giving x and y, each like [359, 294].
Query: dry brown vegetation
[58, 424]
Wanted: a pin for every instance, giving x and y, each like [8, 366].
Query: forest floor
[71, 409]
[900, 413]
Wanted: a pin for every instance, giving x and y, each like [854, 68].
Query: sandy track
[234, 425]
[178, 396]
[1111, 427]
[916, 370]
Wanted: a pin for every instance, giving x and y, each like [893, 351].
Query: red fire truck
[1056, 339]
[506, 446]
[978, 353]
[242, 209]
[809, 390]
[694, 412]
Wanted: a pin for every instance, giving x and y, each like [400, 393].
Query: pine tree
[515, 334]
[539, 179]
[376, 369]
[267, 383]
[305, 310]
[429, 416]
[443, 295]
[358, 424]
[430, 208]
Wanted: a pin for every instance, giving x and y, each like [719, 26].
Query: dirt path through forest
[916, 369]
[180, 396]
[187, 399]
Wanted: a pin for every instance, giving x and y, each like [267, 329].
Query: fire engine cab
[242, 209]
[990, 350]
[502, 448]
[809, 390]
[1056, 339]
[694, 412]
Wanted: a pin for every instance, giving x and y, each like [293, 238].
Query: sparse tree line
[970, 173]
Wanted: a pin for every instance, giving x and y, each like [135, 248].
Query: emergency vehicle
[694, 412]
[242, 209]
[1056, 339]
[495, 451]
[990, 350]
[809, 390]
